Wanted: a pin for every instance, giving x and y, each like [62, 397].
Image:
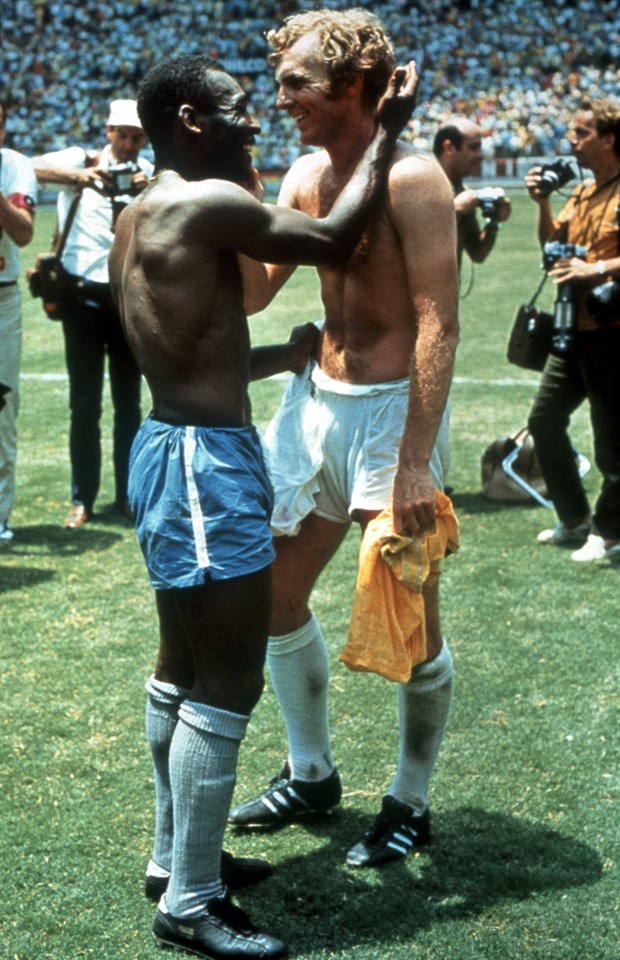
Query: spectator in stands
[534, 60]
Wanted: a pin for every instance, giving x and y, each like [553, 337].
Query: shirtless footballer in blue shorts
[198, 483]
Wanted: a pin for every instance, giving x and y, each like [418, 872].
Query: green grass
[525, 796]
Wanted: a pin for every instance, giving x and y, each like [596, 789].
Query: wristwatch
[600, 268]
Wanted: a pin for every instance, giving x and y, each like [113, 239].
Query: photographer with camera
[18, 188]
[106, 182]
[581, 252]
[458, 148]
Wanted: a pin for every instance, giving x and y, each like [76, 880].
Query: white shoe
[593, 549]
[6, 532]
[561, 534]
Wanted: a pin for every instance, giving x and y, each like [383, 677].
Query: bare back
[401, 276]
[181, 302]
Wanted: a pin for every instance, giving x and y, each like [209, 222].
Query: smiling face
[306, 92]
[229, 128]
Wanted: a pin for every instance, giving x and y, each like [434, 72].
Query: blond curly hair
[352, 41]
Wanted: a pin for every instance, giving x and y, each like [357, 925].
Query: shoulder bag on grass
[510, 471]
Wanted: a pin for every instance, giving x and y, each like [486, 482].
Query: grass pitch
[525, 796]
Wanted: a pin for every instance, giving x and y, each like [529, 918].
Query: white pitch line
[466, 381]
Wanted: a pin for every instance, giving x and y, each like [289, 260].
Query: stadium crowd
[518, 67]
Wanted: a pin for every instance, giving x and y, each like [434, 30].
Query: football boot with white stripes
[286, 800]
[395, 832]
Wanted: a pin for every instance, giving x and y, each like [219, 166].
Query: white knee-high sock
[203, 764]
[162, 713]
[424, 706]
[299, 668]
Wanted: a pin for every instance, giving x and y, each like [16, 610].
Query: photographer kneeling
[584, 360]
[458, 148]
[105, 182]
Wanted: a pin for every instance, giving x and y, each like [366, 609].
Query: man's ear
[354, 85]
[610, 140]
[187, 116]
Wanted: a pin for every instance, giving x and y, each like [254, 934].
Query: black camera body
[489, 200]
[121, 176]
[554, 176]
[565, 309]
[556, 250]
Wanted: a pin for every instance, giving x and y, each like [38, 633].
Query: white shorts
[333, 448]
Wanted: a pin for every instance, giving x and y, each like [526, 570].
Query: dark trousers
[92, 330]
[591, 373]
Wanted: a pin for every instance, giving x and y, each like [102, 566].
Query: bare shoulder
[412, 166]
[205, 212]
[309, 164]
[305, 171]
[174, 190]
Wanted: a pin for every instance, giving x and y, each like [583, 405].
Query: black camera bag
[530, 338]
[49, 279]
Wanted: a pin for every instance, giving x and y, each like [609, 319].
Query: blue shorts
[202, 502]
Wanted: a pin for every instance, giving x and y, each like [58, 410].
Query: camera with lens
[556, 250]
[565, 309]
[121, 179]
[554, 176]
[489, 200]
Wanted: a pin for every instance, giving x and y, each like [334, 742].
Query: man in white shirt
[18, 188]
[106, 182]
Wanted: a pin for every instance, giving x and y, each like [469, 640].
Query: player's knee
[247, 692]
[288, 614]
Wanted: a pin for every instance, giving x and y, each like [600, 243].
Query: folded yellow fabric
[387, 632]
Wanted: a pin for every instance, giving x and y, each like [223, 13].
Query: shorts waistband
[342, 387]
[204, 425]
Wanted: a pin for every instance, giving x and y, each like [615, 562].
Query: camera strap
[62, 240]
[538, 291]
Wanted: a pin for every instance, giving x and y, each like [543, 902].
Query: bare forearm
[64, 176]
[484, 244]
[413, 496]
[545, 222]
[278, 358]
[361, 195]
[270, 360]
[432, 365]
[17, 222]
